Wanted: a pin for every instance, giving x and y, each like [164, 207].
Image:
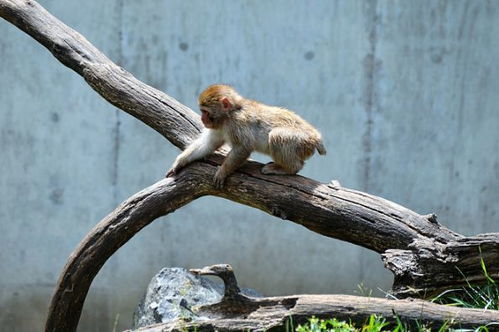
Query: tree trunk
[424, 256]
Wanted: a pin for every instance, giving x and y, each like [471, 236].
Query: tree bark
[276, 313]
[242, 313]
[424, 256]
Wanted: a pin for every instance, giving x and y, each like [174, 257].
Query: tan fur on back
[255, 121]
[247, 125]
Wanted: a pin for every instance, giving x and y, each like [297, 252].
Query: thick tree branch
[164, 114]
[423, 254]
[311, 204]
[109, 235]
[359, 218]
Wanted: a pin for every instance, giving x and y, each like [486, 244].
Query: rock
[173, 292]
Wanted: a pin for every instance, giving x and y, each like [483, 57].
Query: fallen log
[237, 312]
[276, 313]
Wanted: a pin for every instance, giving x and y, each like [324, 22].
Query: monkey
[246, 126]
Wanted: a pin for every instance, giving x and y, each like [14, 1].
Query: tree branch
[110, 234]
[311, 204]
[422, 253]
[174, 121]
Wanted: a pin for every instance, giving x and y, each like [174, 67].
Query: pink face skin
[205, 118]
[211, 122]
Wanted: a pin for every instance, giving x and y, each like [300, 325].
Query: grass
[472, 296]
[373, 324]
[469, 296]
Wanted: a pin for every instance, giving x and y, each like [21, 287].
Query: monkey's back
[255, 122]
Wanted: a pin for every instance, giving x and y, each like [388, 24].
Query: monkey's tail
[321, 148]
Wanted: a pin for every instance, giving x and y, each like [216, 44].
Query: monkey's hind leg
[275, 169]
[284, 150]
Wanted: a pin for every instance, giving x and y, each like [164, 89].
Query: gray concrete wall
[406, 94]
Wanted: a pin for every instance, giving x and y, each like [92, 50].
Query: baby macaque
[247, 126]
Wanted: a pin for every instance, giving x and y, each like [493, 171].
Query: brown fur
[247, 126]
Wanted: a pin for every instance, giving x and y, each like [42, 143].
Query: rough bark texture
[176, 122]
[271, 314]
[237, 311]
[424, 256]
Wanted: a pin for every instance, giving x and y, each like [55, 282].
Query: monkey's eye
[206, 115]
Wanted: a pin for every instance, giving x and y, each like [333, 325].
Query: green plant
[469, 296]
[116, 320]
[375, 324]
[318, 325]
[473, 296]
[289, 326]
[362, 290]
[401, 327]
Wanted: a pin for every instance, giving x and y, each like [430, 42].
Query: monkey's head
[216, 104]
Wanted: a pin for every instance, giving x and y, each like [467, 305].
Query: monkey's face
[215, 109]
[212, 117]
[206, 117]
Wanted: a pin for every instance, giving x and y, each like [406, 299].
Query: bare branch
[176, 122]
[306, 202]
[109, 235]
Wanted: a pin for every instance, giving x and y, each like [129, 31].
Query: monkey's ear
[226, 104]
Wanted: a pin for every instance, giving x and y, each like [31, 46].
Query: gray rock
[173, 292]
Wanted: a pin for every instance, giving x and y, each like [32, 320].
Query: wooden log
[301, 200]
[237, 312]
[275, 313]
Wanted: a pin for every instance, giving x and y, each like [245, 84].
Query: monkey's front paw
[219, 180]
[171, 172]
